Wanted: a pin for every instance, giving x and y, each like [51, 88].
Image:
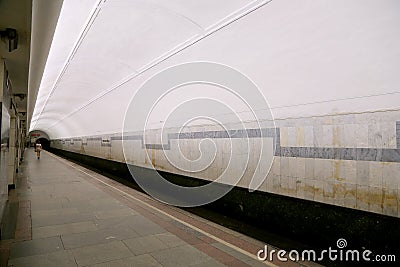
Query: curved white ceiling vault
[334, 56]
[44, 20]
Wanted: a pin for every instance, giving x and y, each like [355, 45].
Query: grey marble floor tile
[101, 253]
[105, 235]
[144, 260]
[170, 239]
[145, 244]
[181, 256]
[60, 229]
[55, 219]
[36, 246]
[114, 213]
[59, 259]
[53, 212]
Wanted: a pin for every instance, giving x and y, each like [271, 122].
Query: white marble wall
[360, 184]
[369, 185]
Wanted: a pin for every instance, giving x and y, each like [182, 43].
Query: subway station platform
[67, 215]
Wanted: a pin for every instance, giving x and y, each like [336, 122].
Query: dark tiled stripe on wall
[94, 139]
[158, 146]
[398, 134]
[129, 137]
[248, 133]
[106, 145]
[360, 154]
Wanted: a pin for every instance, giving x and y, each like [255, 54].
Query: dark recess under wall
[285, 222]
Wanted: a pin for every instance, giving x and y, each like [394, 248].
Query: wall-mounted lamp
[20, 96]
[11, 36]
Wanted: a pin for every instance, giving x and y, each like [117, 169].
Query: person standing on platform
[38, 149]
